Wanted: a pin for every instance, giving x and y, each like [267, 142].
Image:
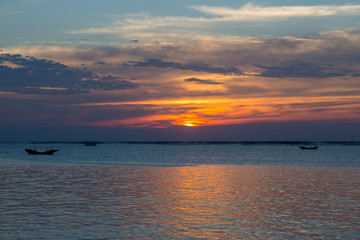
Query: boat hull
[308, 148]
[34, 152]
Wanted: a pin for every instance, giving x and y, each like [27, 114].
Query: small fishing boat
[34, 152]
[308, 148]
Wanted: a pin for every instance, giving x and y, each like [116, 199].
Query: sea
[180, 190]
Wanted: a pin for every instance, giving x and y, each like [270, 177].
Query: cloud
[195, 66]
[214, 18]
[200, 81]
[303, 70]
[30, 75]
[251, 12]
[101, 63]
[323, 55]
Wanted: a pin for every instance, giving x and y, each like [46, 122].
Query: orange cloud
[200, 112]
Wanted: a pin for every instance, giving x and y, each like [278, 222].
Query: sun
[193, 123]
[190, 120]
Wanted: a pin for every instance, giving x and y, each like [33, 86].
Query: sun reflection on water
[236, 202]
[191, 202]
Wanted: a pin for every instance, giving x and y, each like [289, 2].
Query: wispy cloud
[142, 25]
[195, 66]
[202, 81]
[299, 69]
[252, 12]
[234, 111]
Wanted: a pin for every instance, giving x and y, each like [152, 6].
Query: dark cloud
[39, 76]
[303, 69]
[100, 63]
[201, 81]
[195, 66]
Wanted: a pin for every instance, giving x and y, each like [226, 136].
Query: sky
[196, 70]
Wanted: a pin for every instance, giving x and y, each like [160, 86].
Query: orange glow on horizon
[226, 111]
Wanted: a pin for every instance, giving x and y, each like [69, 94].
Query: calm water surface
[153, 191]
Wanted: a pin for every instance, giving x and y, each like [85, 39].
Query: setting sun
[191, 120]
[193, 123]
[189, 124]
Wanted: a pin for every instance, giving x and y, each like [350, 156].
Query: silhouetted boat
[90, 143]
[34, 152]
[308, 148]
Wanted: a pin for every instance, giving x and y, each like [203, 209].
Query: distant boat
[34, 152]
[90, 143]
[308, 148]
